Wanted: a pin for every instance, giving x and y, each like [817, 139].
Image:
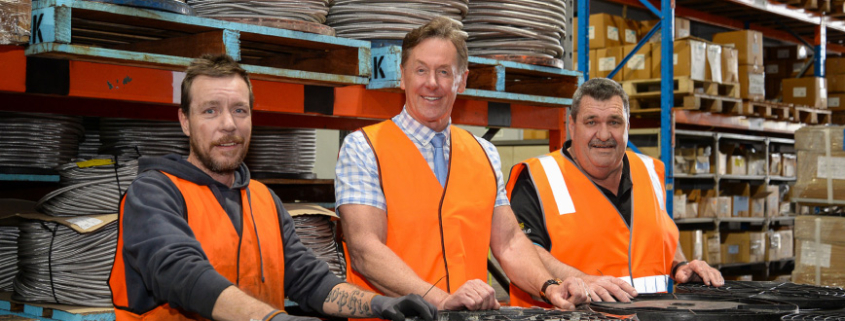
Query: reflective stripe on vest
[594, 238]
[431, 229]
[261, 275]
[649, 284]
[558, 184]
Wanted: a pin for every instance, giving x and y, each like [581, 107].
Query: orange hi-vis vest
[441, 233]
[588, 233]
[260, 275]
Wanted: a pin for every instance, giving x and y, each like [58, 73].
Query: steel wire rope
[318, 234]
[302, 10]
[38, 141]
[135, 138]
[516, 27]
[60, 265]
[386, 20]
[8, 256]
[89, 190]
[282, 151]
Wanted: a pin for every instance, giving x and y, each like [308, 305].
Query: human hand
[609, 289]
[473, 295]
[397, 309]
[699, 271]
[287, 317]
[571, 292]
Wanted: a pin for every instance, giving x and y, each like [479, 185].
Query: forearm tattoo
[349, 303]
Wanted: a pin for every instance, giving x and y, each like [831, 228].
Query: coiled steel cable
[59, 265]
[302, 10]
[516, 27]
[89, 190]
[317, 233]
[38, 141]
[90, 145]
[8, 256]
[134, 138]
[383, 19]
[282, 151]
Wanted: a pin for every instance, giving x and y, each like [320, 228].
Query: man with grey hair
[423, 202]
[598, 212]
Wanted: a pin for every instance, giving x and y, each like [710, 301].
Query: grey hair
[600, 89]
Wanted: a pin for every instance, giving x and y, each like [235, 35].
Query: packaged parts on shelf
[701, 163]
[780, 245]
[752, 82]
[605, 31]
[730, 65]
[749, 44]
[692, 244]
[679, 205]
[810, 91]
[744, 247]
[691, 209]
[821, 161]
[712, 205]
[15, 20]
[740, 195]
[775, 164]
[689, 58]
[630, 34]
[608, 59]
[789, 165]
[713, 71]
[712, 247]
[757, 203]
[684, 157]
[640, 64]
[819, 250]
[682, 29]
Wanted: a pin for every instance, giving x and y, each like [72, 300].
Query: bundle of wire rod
[135, 138]
[38, 141]
[8, 256]
[92, 187]
[301, 10]
[516, 27]
[282, 152]
[383, 19]
[60, 265]
[317, 233]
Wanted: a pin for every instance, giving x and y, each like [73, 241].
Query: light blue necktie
[439, 159]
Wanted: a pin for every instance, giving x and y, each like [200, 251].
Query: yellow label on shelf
[95, 162]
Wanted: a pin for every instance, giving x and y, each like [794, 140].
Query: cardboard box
[730, 65]
[608, 59]
[759, 197]
[819, 248]
[689, 59]
[691, 210]
[749, 43]
[810, 91]
[692, 244]
[790, 164]
[639, 66]
[740, 197]
[701, 163]
[746, 247]
[605, 31]
[682, 29]
[836, 83]
[780, 245]
[712, 247]
[737, 165]
[775, 164]
[834, 66]
[679, 205]
[756, 160]
[683, 158]
[713, 70]
[631, 32]
[773, 201]
[752, 82]
[793, 52]
[712, 205]
[15, 21]
[835, 100]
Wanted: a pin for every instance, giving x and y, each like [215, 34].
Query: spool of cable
[89, 188]
[506, 313]
[135, 138]
[317, 233]
[8, 256]
[805, 296]
[516, 28]
[90, 145]
[59, 265]
[300, 10]
[282, 152]
[389, 20]
[36, 143]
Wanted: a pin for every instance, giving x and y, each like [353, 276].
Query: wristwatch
[546, 285]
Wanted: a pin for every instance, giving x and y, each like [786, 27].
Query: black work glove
[288, 317]
[397, 309]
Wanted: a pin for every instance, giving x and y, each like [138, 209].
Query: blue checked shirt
[357, 173]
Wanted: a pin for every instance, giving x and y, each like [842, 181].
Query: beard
[222, 166]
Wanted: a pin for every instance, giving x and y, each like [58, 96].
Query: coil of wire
[135, 138]
[90, 145]
[317, 233]
[302, 10]
[383, 19]
[282, 152]
[38, 141]
[89, 190]
[8, 256]
[59, 265]
[516, 27]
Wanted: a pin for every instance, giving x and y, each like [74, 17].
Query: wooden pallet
[770, 110]
[714, 104]
[51, 312]
[681, 86]
[490, 79]
[807, 115]
[107, 33]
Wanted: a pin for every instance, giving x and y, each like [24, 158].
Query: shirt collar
[625, 183]
[416, 130]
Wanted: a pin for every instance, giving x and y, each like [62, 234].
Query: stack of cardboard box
[835, 75]
[819, 250]
[749, 46]
[783, 62]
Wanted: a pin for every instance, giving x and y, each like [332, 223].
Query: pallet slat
[51, 312]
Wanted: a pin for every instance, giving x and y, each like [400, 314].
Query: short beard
[218, 167]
